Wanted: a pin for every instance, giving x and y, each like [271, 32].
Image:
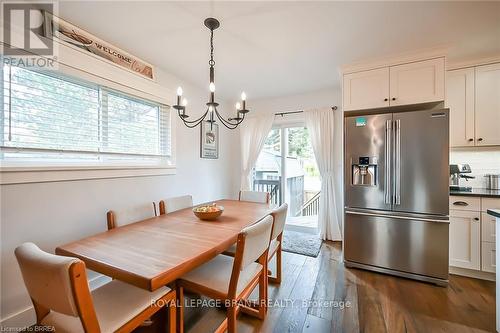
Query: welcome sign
[55, 27]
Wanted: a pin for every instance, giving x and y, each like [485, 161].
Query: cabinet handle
[476, 219]
[394, 98]
[480, 139]
[470, 140]
[460, 203]
[386, 99]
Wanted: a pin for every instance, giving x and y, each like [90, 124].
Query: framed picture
[209, 145]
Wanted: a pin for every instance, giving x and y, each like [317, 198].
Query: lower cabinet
[488, 257]
[472, 233]
[465, 239]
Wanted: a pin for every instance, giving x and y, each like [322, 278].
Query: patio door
[286, 168]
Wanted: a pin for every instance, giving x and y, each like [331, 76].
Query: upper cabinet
[366, 89]
[487, 108]
[417, 82]
[460, 101]
[409, 83]
[474, 102]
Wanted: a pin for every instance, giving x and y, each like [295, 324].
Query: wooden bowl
[208, 216]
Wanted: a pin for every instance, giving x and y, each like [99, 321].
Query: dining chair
[231, 280]
[275, 246]
[176, 203]
[254, 196]
[118, 218]
[62, 300]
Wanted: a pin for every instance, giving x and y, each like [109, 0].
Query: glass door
[303, 184]
[286, 168]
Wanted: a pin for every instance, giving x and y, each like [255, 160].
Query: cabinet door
[417, 82]
[487, 108]
[488, 224]
[460, 101]
[465, 239]
[366, 89]
[488, 257]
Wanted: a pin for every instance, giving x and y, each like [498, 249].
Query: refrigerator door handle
[397, 167]
[387, 175]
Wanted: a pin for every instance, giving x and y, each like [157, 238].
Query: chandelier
[211, 113]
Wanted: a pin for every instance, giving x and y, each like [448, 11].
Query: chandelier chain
[212, 61]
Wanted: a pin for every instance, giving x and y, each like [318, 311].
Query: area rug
[301, 243]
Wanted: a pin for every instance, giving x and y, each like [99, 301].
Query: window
[50, 118]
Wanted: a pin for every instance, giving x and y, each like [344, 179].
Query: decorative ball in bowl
[208, 212]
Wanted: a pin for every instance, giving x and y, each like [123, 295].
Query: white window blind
[54, 117]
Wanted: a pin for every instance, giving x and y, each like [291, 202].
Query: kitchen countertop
[478, 192]
[494, 212]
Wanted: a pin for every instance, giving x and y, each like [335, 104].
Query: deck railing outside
[311, 207]
[273, 187]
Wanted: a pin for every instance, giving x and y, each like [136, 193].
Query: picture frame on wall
[209, 137]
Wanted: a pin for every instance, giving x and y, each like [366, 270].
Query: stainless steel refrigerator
[396, 194]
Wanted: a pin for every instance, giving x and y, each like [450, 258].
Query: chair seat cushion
[272, 248]
[216, 274]
[115, 303]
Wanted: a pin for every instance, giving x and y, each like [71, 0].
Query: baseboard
[27, 317]
[473, 273]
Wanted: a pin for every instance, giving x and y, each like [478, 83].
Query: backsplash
[481, 160]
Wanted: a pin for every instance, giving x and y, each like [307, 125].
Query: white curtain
[253, 134]
[320, 123]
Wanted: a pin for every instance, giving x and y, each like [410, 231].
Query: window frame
[13, 172]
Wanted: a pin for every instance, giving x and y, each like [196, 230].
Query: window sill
[10, 175]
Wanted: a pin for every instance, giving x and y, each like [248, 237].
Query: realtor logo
[24, 30]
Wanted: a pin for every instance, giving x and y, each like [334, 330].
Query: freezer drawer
[402, 244]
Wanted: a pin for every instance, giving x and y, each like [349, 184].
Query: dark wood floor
[377, 302]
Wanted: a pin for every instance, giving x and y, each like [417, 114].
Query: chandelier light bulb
[212, 87]
[210, 108]
[184, 102]
[179, 91]
[243, 96]
[238, 106]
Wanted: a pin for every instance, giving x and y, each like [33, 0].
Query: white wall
[51, 214]
[316, 99]
[481, 160]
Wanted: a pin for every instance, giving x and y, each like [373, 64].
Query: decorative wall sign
[55, 27]
[209, 145]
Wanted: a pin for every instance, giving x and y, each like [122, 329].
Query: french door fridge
[396, 194]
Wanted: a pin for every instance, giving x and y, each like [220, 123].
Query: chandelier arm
[226, 123]
[193, 121]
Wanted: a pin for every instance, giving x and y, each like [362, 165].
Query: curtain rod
[298, 111]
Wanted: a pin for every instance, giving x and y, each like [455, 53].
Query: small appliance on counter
[457, 172]
[492, 181]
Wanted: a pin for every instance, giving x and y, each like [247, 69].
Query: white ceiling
[273, 49]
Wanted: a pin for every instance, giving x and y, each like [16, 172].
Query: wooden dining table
[154, 252]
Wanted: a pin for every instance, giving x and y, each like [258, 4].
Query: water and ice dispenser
[364, 171]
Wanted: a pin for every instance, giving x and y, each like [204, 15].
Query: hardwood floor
[372, 302]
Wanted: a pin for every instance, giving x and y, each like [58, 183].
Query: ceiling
[272, 49]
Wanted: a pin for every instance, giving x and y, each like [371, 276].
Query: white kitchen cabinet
[460, 101]
[465, 239]
[366, 89]
[417, 82]
[487, 105]
[409, 83]
[488, 257]
[487, 228]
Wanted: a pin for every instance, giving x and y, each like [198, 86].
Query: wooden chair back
[176, 203]
[252, 245]
[254, 196]
[57, 283]
[279, 218]
[118, 218]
